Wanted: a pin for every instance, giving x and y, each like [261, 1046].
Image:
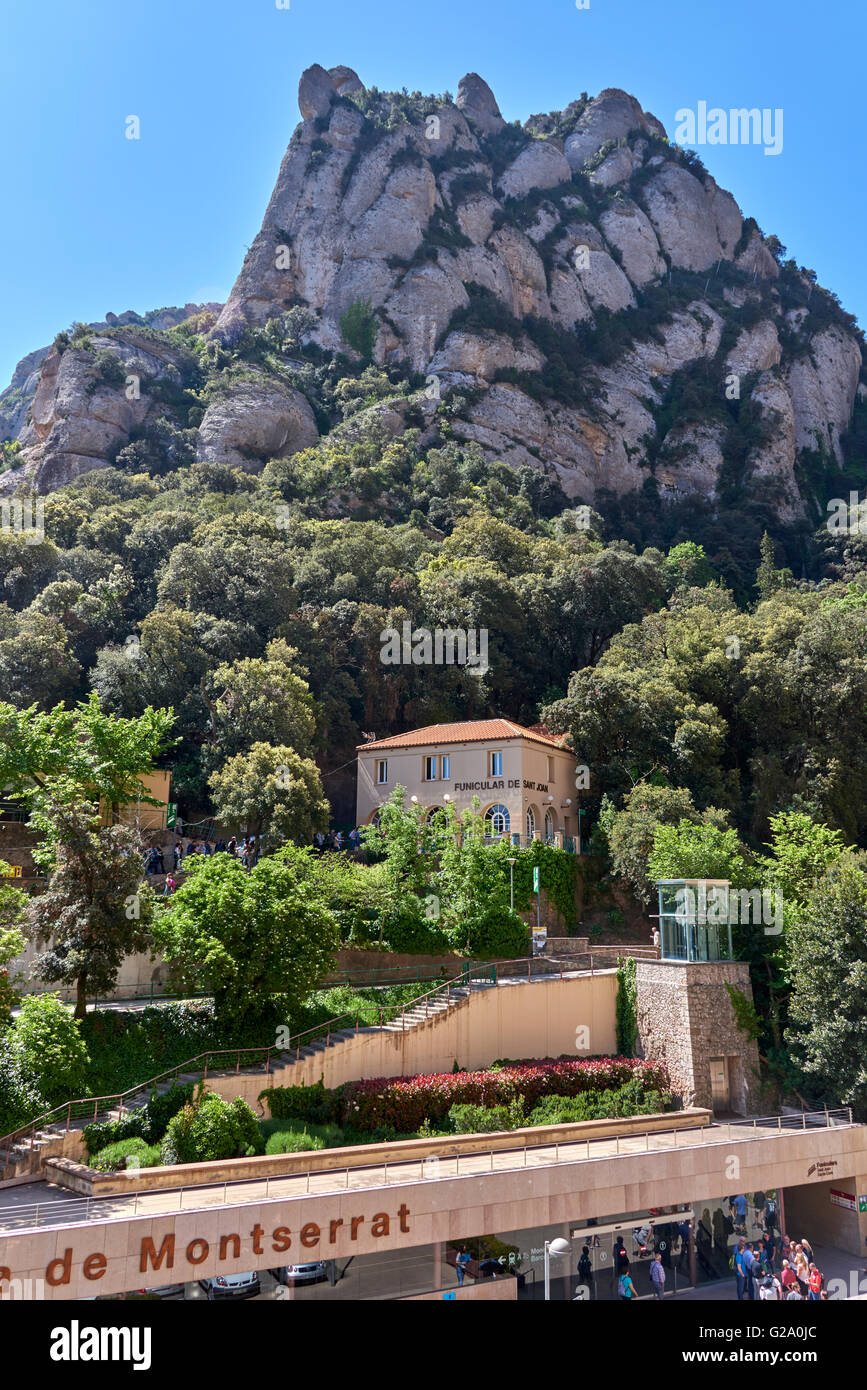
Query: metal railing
[394, 1170]
[89, 1109]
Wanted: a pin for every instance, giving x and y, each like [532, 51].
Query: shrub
[149, 1123]
[631, 1099]
[114, 1157]
[480, 1119]
[312, 1103]
[405, 1103]
[46, 1041]
[358, 327]
[20, 1097]
[287, 1141]
[211, 1129]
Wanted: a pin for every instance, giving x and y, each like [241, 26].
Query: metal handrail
[29, 1213]
[91, 1106]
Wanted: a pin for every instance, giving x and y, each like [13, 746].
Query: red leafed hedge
[406, 1102]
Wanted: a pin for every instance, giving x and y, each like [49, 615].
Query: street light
[512, 884]
[554, 1247]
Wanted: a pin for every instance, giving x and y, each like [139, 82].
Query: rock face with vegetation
[597, 308]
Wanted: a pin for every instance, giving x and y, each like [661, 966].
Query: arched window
[549, 826]
[497, 820]
[531, 822]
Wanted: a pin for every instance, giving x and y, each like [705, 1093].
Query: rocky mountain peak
[594, 304]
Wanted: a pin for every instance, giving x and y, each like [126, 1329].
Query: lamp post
[554, 1247]
[512, 884]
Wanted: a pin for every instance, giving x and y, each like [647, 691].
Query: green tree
[48, 1048]
[251, 938]
[259, 701]
[13, 914]
[706, 850]
[73, 754]
[95, 910]
[828, 965]
[631, 836]
[768, 577]
[272, 791]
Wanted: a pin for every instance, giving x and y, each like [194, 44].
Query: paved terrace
[41, 1204]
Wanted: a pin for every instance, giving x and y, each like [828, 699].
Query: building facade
[525, 779]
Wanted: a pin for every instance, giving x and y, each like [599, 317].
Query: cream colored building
[525, 779]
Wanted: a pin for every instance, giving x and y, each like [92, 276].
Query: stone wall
[685, 1018]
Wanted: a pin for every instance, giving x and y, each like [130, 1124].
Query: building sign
[843, 1199]
[479, 786]
[535, 786]
[233, 1246]
[823, 1169]
[862, 1204]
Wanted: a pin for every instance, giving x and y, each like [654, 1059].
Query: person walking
[585, 1266]
[657, 1277]
[461, 1262]
[769, 1214]
[815, 1281]
[739, 1208]
[625, 1286]
[354, 840]
[169, 887]
[620, 1256]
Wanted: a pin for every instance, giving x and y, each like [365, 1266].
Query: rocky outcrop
[567, 250]
[79, 418]
[255, 422]
[697, 223]
[613, 115]
[476, 100]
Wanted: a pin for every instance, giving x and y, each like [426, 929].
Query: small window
[531, 823]
[430, 769]
[381, 773]
[495, 764]
[550, 769]
[446, 768]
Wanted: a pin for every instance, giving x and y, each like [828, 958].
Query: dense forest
[668, 641]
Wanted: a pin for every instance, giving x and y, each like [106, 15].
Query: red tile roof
[474, 731]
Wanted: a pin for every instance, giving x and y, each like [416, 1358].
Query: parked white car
[232, 1286]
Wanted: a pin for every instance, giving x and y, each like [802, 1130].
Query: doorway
[720, 1085]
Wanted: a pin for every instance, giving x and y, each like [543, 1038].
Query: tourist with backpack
[625, 1287]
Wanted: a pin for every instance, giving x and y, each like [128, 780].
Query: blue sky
[95, 222]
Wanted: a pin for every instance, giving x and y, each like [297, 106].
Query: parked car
[301, 1274]
[231, 1286]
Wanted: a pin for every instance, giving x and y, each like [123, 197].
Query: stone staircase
[24, 1156]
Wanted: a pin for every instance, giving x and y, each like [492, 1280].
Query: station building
[524, 778]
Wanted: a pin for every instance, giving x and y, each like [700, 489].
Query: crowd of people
[757, 1265]
[335, 840]
[247, 850]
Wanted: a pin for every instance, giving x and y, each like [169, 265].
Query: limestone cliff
[601, 307]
